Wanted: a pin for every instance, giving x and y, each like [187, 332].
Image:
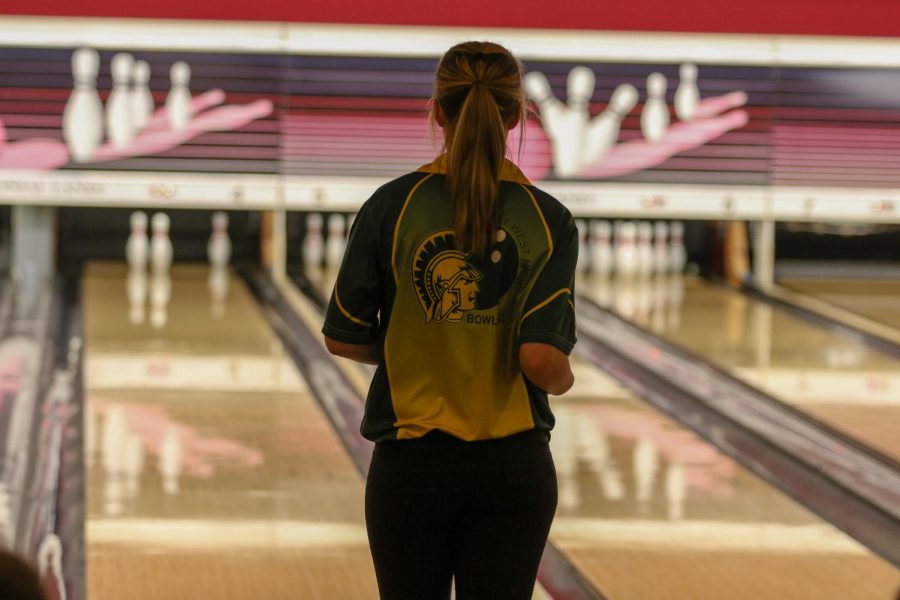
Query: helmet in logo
[445, 282]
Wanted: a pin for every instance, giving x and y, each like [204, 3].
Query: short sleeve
[352, 314]
[549, 314]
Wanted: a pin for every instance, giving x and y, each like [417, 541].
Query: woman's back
[454, 321]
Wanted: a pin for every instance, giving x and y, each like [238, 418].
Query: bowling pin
[218, 283]
[136, 289]
[119, 122]
[676, 491]
[603, 132]
[677, 251]
[137, 249]
[178, 103]
[335, 244]
[170, 460]
[160, 244]
[661, 247]
[601, 248]
[655, 115]
[565, 124]
[646, 463]
[218, 249]
[113, 446]
[687, 96]
[626, 250]
[313, 244]
[563, 445]
[83, 115]
[141, 97]
[583, 256]
[645, 249]
[160, 294]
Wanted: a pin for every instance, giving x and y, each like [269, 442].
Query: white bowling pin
[179, 108]
[336, 243]
[676, 491]
[141, 96]
[626, 250]
[661, 247]
[119, 122]
[565, 124]
[563, 445]
[601, 248]
[583, 255]
[218, 249]
[170, 460]
[603, 132]
[646, 463]
[655, 115]
[83, 115]
[646, 255]
[160, 295]
[677, 251]
[313, 244]
[137, 249]
[160, 244]
[218, 283]
[114, 434]
[136, 289]
[687, 95]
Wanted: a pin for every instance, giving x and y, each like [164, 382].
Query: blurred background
[178, 182]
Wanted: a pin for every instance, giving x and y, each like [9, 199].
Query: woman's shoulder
[551, 208]
[395, 191]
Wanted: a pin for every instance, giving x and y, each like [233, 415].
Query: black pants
[439, 508]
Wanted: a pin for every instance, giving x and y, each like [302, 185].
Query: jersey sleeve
[352, 314]
[549, 314]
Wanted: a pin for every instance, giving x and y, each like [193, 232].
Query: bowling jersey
[451, 323]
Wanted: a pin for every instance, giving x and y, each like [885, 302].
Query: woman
[458, 283]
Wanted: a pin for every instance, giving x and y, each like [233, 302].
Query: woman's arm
[546, 367]
[364, 353]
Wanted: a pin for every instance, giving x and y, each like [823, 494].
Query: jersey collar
[508, 170]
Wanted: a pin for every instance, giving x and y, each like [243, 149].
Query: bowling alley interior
[178, 186]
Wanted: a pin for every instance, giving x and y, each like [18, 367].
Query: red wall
[830, 17]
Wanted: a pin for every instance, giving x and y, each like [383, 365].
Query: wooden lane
[212, 472]
[648, 510]
[842, 382]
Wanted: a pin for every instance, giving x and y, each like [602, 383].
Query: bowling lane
[844, 383]
[649, 510]
[874, 299]
[212, 473]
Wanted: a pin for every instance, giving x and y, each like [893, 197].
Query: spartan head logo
[446, 284]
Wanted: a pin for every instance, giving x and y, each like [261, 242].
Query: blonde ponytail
[478, 87]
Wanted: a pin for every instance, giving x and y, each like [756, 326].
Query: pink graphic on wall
[131, 124]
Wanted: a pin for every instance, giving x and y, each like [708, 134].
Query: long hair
[478, 86]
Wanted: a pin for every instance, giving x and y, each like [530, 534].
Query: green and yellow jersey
[452, 323]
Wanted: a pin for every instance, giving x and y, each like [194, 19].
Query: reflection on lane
[874, 299]
[844, 383]
[211, 472]
[648, 510]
